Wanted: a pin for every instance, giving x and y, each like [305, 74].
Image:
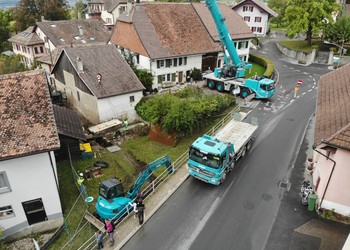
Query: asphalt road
[240, 213]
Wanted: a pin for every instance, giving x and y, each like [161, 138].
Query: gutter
[334, 163]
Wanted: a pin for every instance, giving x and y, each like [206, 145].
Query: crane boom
[224, 33]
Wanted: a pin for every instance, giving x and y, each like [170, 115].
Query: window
[247, 18]
[137, 59]
[132, 98]
[175, 62]
[180, 61]
[168, 63]
[109, 20]
[4, 183]
[36, 50]
[78, 96]
[34, 210]
[161, 78]
[173, 77]
[160, 64]
[245, 8]
[185, 60]
[6, 212]
[258, 19]
[251, 8]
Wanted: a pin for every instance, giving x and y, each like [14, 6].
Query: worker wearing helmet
[80, 182]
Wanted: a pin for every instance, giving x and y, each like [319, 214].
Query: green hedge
[265, 62]
[184, 111]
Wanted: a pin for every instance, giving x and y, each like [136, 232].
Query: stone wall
[321, 57]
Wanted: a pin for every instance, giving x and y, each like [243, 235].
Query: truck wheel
[210, 84]
[244, 150]
[220, 86]
[223, 177]
[244, 93]
[249, 144]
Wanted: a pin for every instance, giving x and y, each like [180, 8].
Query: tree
[28, 12]
[79, 10]
[145, 77]
[338, 32]
[11, 64]
[5, 29]
[279, 6]
[307, 16]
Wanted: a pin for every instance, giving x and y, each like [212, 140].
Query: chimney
[80, 65]
[81, 30]
[128, 7]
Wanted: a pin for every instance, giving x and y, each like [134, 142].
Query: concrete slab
[113, 148]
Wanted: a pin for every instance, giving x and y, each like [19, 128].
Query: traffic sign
[300, 82]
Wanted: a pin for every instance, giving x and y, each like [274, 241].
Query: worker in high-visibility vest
[296, 90]
[80, 182]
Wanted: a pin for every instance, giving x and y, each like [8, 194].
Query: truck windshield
[204, 158]
[267, 87]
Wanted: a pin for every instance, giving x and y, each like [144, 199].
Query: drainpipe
[54, 173]
[334, 163]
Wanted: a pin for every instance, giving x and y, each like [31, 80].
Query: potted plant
[310, 165]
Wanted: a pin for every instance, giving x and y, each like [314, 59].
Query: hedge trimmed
[265, 62]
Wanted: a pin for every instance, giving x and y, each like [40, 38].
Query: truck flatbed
[236, 132]
[233, 81]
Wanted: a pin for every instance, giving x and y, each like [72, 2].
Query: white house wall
[30, 178]
[85, 104]
[264, 24]
[49, 47]
[336, 196]
[119, 107]
[194, 61]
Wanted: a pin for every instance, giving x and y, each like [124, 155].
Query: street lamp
[341, 50]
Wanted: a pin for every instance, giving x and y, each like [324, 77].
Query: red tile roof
[236, 25]
[333, 109]
[27, 122]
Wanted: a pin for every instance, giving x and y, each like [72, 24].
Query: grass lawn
[256, 68]
[125, 165]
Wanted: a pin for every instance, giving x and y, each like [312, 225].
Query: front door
[180, 77]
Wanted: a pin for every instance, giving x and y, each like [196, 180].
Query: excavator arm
[145, 174]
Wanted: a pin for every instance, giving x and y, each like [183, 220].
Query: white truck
[212, 157]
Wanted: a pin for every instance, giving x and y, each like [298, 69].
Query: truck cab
[210, 159]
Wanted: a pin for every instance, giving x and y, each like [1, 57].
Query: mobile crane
[231, 76]
[113, 203]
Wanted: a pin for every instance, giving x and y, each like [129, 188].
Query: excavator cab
[110, 189]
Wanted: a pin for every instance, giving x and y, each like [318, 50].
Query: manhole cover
[266, 197]
[248, 205]
[283, 185]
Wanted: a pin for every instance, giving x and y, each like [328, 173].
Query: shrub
[265, 62]
[183, 112]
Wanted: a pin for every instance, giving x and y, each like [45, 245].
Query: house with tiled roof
[256, 14]
[332, 142]
[28, 44]
[29, 191]
[98, 83]
[70, 133]
[41, 41]
[171, 39]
